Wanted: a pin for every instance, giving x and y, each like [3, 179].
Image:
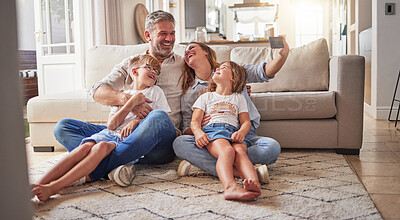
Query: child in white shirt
[223, 136]
[80, 162]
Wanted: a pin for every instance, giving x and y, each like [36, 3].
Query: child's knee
[229, 151]
[103, 148]
[241, 151]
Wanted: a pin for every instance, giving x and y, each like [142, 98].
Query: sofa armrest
[347, 80]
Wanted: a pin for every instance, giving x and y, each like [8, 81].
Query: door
[58, 45]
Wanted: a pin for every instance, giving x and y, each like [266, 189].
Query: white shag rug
[304, 184]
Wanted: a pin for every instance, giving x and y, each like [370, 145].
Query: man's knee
[60, 127]
[159, 113]
[159, 120]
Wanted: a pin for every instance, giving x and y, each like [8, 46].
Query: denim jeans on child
[152, 138]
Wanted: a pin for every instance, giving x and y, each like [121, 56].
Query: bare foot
[43, 192]
[250, 185]
[33, 185]
[238, 193]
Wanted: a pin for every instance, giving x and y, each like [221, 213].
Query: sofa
[315, 101]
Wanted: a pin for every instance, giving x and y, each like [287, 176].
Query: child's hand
[202, 139]
[237, 137]
[141, 108]
[129, 128]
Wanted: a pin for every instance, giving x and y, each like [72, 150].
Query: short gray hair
[157, 16]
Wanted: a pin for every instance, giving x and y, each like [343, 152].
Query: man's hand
[129, 128]
[238, 137]
[143, 109]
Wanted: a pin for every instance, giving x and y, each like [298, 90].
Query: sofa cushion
[76, 105]
[101, 59]
[306, 68]
[295, 105]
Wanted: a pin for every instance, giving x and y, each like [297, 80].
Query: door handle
[37, 33]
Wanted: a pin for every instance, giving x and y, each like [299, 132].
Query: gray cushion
[295, 105]
[306, 68]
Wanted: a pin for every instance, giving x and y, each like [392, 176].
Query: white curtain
[107, 22]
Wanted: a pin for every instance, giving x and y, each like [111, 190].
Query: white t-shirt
[222, 108]
[154, 93]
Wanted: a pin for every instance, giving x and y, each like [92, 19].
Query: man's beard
[159, 51]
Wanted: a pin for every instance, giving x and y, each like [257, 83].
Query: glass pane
[45, 51]
[44, 23]
[57, 21]
[71, 21]
[72, 49]
[59, 50]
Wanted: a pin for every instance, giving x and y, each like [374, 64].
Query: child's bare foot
[238, 193]
[33, 185]
[43, 192]
[250, 185]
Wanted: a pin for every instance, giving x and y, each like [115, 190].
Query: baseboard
[380, 112]
[348, 151]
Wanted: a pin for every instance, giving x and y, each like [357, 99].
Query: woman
[200, 63]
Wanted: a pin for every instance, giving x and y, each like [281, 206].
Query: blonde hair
[238, 76]
[188, 74]
[142, 59]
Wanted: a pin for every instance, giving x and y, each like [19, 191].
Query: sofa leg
[348, 151]
[43, 149]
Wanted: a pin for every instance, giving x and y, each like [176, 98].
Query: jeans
[152, 138]
[263, 150]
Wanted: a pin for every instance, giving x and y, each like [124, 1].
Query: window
[308, 24]
[252, 22]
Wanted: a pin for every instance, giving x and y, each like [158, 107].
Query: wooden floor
[378, 165]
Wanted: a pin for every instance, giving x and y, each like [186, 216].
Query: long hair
[238, 77]
[188, 74]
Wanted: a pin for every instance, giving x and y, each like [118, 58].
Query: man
[157, 148]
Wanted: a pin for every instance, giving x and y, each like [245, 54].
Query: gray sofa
[315, 101]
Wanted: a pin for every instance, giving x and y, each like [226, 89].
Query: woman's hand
[202, 139]
[284, 52]
[238, 137]
[129, 128]
[248, 88]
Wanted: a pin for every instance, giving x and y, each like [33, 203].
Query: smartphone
[276, 42]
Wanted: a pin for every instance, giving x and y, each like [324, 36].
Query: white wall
[130, 35]
[26, 25]
[385, 57]
[15, 191]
